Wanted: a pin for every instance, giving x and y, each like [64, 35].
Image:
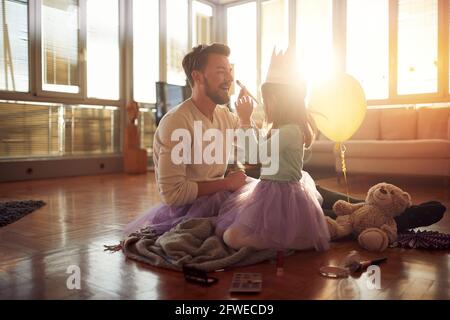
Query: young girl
[280, 211]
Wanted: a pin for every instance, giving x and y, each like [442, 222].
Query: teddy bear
[371, 221]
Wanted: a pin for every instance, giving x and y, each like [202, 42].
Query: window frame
[442, 93]
[339, 12]
[36, 92]
[113, 160]
[291, 29]
[214, 19]
[80, 55]
[31, 44]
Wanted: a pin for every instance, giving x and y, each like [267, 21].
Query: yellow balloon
[338, 105]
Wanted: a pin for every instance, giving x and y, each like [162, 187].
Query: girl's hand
[244, 108]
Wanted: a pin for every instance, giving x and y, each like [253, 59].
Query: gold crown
[283, 70]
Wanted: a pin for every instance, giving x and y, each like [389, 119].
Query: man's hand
[232, 182]
[244, 107]
[235, 180]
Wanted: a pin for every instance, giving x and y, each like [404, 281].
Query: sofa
[396, 141]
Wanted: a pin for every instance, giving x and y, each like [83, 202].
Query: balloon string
[344, 168]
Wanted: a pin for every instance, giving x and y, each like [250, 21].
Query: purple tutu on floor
[283, 215]
[162, 217]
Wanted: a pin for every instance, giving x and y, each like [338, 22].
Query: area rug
[11, 211]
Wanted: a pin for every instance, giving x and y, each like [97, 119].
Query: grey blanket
[192, 243]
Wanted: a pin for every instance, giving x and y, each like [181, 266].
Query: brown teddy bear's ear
[407, 197]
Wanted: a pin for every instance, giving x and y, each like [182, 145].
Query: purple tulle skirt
[282, 214]
[279, 214]
[162, 217]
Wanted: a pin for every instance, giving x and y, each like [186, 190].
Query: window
[367, 49]
[145, 50]
[49, 129]
[202, 15]
[417, 63]
[91, 129]
[242, 41]
[147, 127]
[80, 62]
[28, 129]
[60, 61]
[314, 38]
[62, 67]
[102, 46]
[177, 40]
[14, 45]
[274, 30]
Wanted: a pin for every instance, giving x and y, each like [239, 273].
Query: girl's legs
[237, 238]
[330, 197]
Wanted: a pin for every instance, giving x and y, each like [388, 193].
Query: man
[210, 76]
[192, 188]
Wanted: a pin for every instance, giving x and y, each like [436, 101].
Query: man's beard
[215, 96]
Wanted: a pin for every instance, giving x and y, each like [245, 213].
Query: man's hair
[198, 57]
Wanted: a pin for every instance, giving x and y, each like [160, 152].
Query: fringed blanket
[191, 243]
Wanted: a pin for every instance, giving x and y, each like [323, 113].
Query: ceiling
[222, 1]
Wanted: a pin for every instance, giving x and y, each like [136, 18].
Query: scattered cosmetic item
[197, 276]
[246, 283]
[280, 263]
[352, 264]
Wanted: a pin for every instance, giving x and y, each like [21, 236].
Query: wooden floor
[84, 213]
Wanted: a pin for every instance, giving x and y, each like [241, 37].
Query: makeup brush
[244, 88]
[354, 264]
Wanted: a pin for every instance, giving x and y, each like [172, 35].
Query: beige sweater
[177, 183]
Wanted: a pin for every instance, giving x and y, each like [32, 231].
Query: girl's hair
[289, 108]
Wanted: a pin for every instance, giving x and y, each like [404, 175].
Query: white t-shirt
[177, 182]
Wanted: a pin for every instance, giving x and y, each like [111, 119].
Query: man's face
[217, 78]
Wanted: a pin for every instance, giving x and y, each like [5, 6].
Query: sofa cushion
[370, 127]
[433, 123]
[404, 149]
[398, 124]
